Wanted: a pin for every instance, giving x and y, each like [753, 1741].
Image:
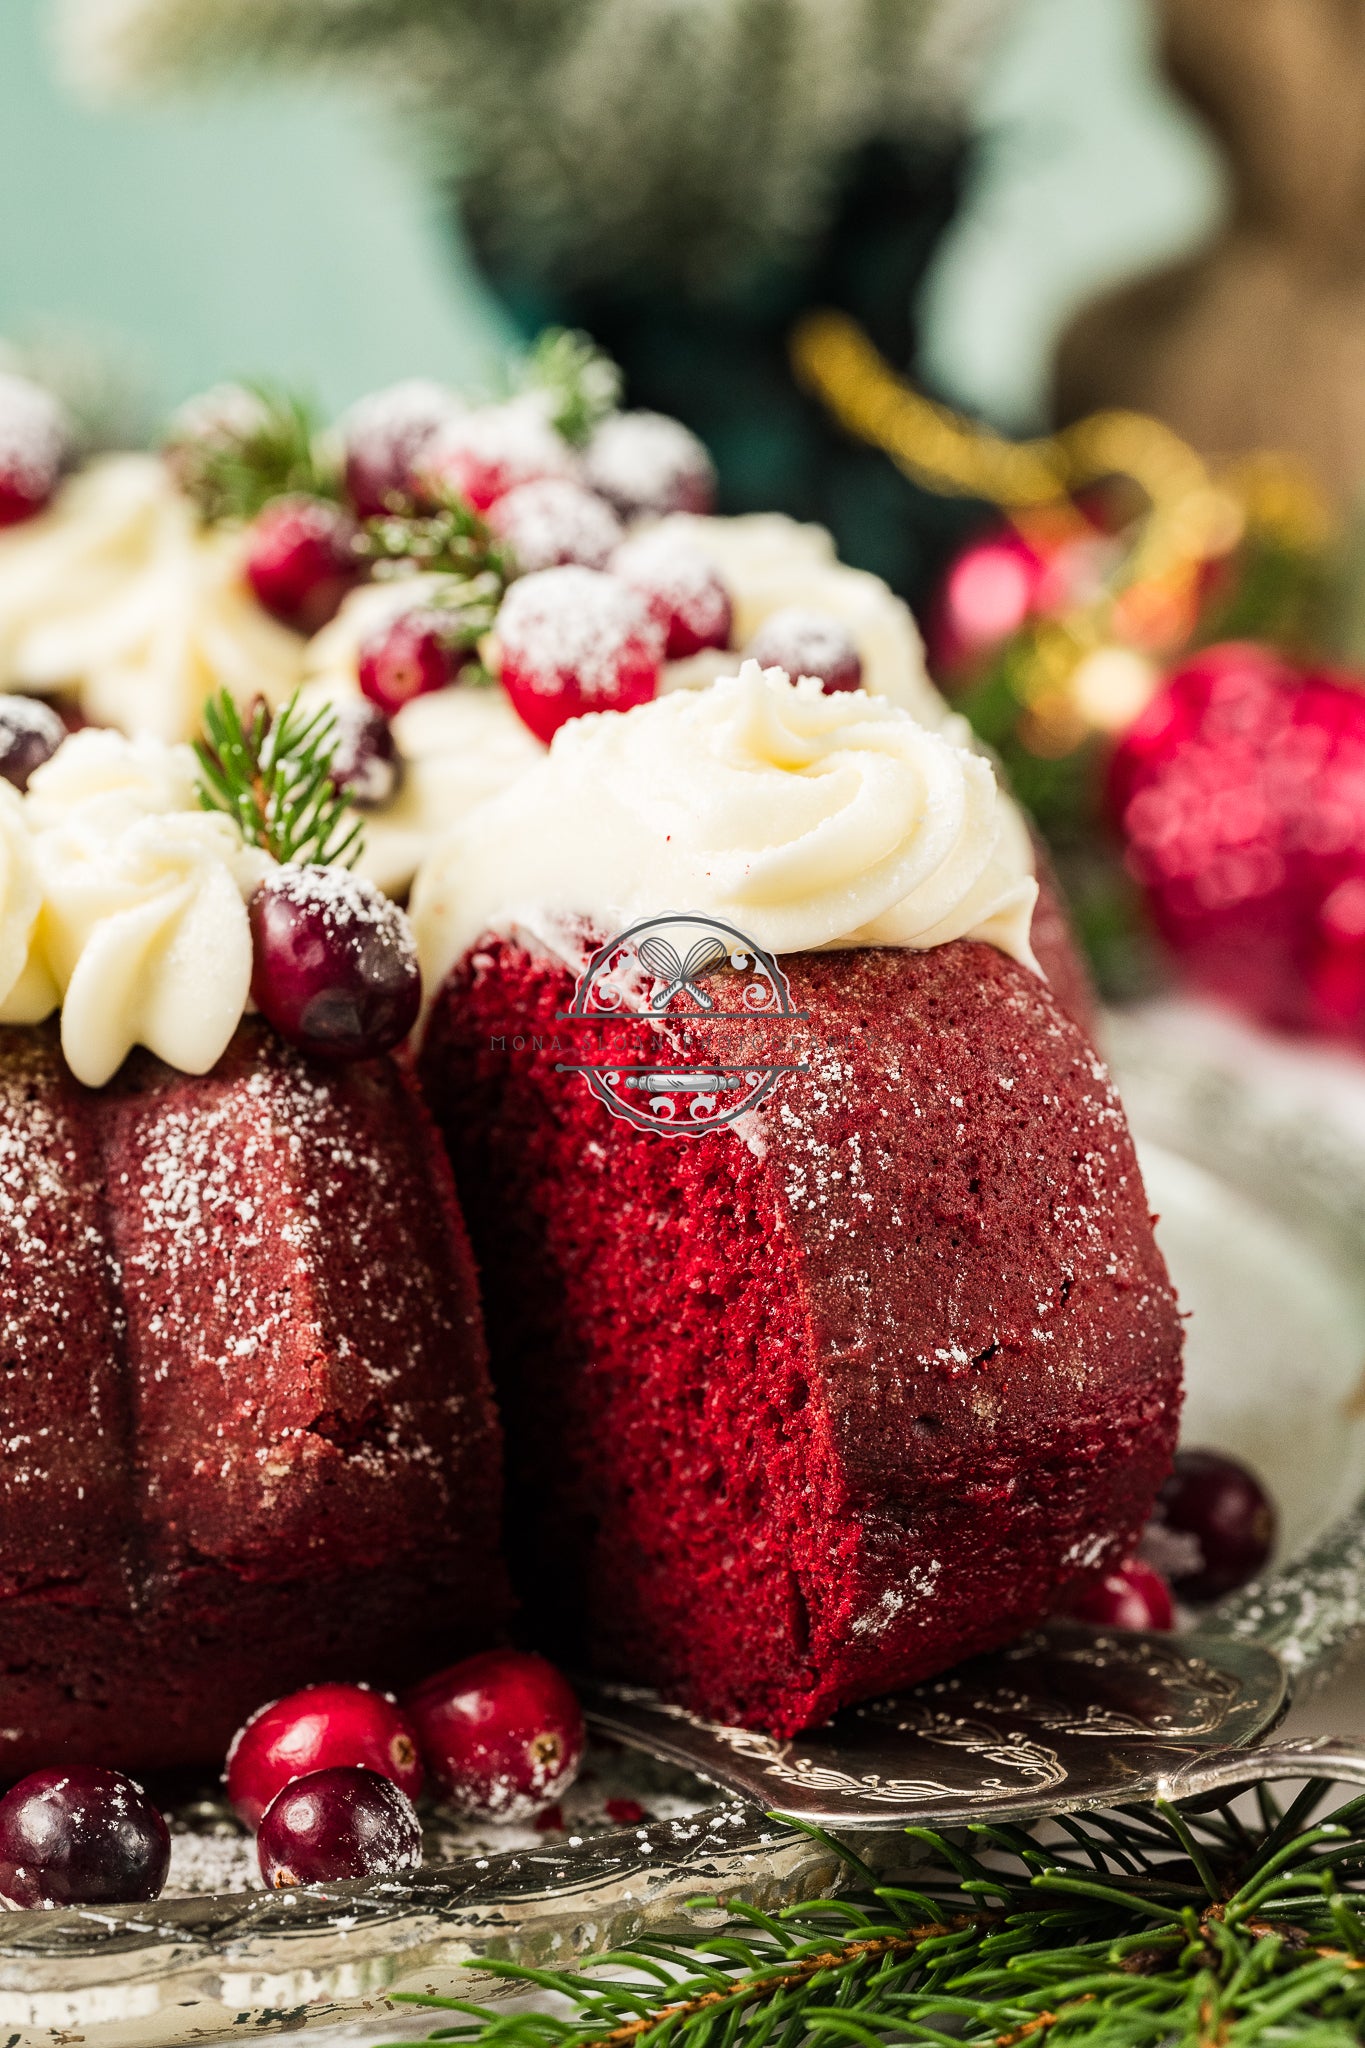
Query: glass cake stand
[1255, 1158]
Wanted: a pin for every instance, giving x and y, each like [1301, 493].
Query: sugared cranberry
[416, 652]
[80, 1837]
[1130, 1596]
[483, 454]
[647, 463]
[224, 419]
[1213, 1527]
[314, 1730]
[35, 443]
[501, 1733]
[809, 643]
[553, 521]
[30, 733]
[337, 1824]
[386, 436]
[682, 589]
[366, 762]
[576, 640]
[335, 964]
[301, 560]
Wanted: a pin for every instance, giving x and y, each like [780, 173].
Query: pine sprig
[273, 778]
[450, 540]
[582, 383]
[1149, 1927]
[241, 445]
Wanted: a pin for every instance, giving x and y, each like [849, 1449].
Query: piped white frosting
[119, 594]
[806, 820]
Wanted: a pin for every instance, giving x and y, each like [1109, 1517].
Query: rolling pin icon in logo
[697, 992]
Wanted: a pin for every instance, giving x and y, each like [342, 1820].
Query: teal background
[280, 229]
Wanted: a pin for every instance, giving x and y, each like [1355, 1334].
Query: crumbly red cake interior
[809, 1407]
[250, 1439]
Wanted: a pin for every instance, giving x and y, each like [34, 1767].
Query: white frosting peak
[806, 820]
[138, 924]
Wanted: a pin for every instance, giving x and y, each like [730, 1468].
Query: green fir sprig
[273, 778]
[580, 380]
[241, 445]
[451, 540]
[1149, 1927]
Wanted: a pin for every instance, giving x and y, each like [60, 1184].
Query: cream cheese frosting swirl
[140, 928]
[807, 820]
[119, 593]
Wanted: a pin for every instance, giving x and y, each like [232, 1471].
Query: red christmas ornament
[1240, 793]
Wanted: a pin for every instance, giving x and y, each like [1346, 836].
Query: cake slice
[813, 1403]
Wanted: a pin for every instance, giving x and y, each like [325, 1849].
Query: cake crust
[251, 1435]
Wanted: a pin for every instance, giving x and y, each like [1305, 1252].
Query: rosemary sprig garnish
[452, 539]
[1148, 1927]
[237, 448]
[582, 383]
[273, 778]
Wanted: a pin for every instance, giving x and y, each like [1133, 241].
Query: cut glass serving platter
[1260, 1180]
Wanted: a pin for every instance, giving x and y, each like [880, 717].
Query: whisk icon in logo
[693, 1002]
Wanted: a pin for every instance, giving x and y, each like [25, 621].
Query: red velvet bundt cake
[816, 1402]
[250, 1438]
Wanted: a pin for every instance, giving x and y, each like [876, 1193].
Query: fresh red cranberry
[502, 1733]
[313, 1730]
[80, 1837]
[386, 436]
[809, 643]
[1213, 1527]
[681, 588]
[413, 654]
[301, 560]
[1130, 1596]
[366, 762]
[647, 463]
[481, 455]
[35, 445]
[30, 733]
[554, 521]
[336, 1824]
[576, 640]
[335, 964]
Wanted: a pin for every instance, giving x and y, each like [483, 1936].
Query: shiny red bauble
[313, 1730]
[502, 1733]
[335, 1825]
[80, 1836]
[1240, 795]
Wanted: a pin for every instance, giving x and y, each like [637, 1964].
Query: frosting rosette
[120, 594]
[141, 929]
[806, 820]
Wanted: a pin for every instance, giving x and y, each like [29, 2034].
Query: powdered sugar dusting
[576, 623]
[646, 462]
[34, 436]
[552, 521]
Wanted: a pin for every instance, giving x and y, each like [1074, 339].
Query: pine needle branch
[581, 382]
[273, 778]
[1152, 1927]
[238, 447]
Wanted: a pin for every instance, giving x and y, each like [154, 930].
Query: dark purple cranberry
[501, 1733]
[385, 436]
[335, 965]
[301, 560]
[809, 643]
[366, 762]
[334, 1824]
[411, 656]
[80, 1837]
[1213, 1527]
[35, 445]
[1132, 1595]
[30, 733]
